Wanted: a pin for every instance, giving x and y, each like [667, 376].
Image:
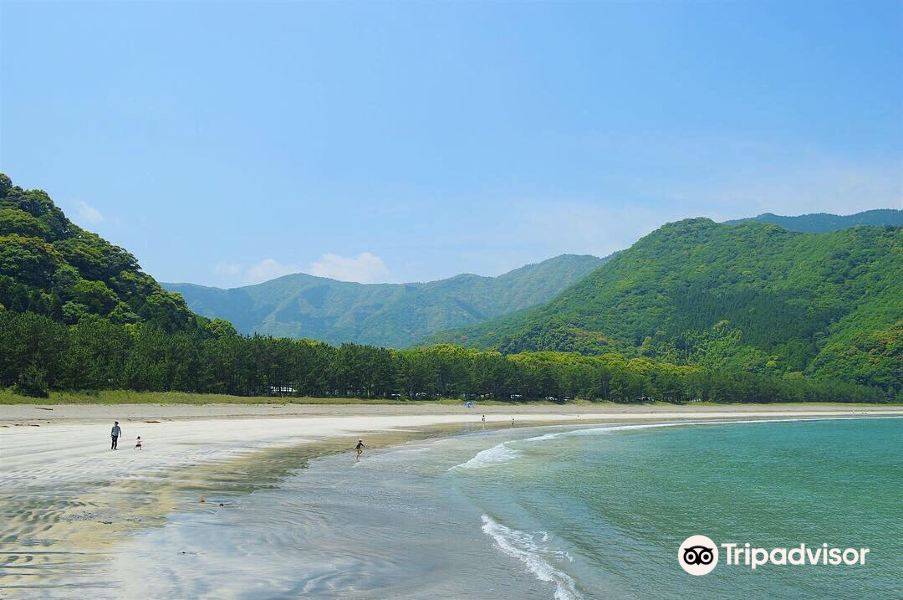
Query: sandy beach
[65, 491]
[71, 442]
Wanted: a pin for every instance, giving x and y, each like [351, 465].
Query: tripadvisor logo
[698, 555]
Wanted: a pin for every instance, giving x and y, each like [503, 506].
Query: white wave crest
[524, 548]
[612, 428]
[491, 456]
[504, 452]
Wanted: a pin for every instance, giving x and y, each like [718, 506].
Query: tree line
[38, 354]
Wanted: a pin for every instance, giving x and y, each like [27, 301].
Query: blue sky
[226, 143]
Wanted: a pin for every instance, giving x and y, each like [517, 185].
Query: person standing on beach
[115, 433]
[360, 448]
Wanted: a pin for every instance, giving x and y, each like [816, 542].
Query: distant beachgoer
[115, 433]
[360, 448]
[138, 443]
[484, 418]
[512, 421]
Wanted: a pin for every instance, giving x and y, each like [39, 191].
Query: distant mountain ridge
[396, 315]
[401, 315]
[825, 222]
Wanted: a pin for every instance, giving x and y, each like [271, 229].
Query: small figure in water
[115, 433]
[360, 448]
[138, 443]
[512, 421]
[484, 418]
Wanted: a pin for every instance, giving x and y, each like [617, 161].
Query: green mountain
[50, 266]
[824, 222]
[689, 306]
[394, 315]
[749, 296]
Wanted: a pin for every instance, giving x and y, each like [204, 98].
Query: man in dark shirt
[115, 433]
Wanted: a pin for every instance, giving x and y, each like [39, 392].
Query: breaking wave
[536, 557]
[491, 456]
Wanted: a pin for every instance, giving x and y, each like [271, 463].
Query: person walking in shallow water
[360, 448]
[115, 433]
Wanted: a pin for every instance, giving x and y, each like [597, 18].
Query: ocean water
[564, 513]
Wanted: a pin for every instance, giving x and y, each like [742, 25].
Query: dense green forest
[77, 313]
[50, 266]
[386, 314]
[39, 354]
[824, 222]
[748, 297]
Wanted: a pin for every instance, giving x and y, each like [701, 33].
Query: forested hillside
[823, 222]
[695, 317]
[50, 266]
[746, 297]
[396, 315]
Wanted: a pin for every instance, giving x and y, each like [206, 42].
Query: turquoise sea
[596, 512]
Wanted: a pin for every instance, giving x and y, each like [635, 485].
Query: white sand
[71, 442]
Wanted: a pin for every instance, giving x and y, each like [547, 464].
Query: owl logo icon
[698, 555]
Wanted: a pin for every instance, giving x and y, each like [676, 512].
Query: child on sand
[138, 443]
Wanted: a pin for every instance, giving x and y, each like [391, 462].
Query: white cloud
[363, 268]
[87, 214]
[267, 269]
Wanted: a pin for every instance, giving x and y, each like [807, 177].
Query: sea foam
[491, 456]
[523, 546]
[504, 452]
